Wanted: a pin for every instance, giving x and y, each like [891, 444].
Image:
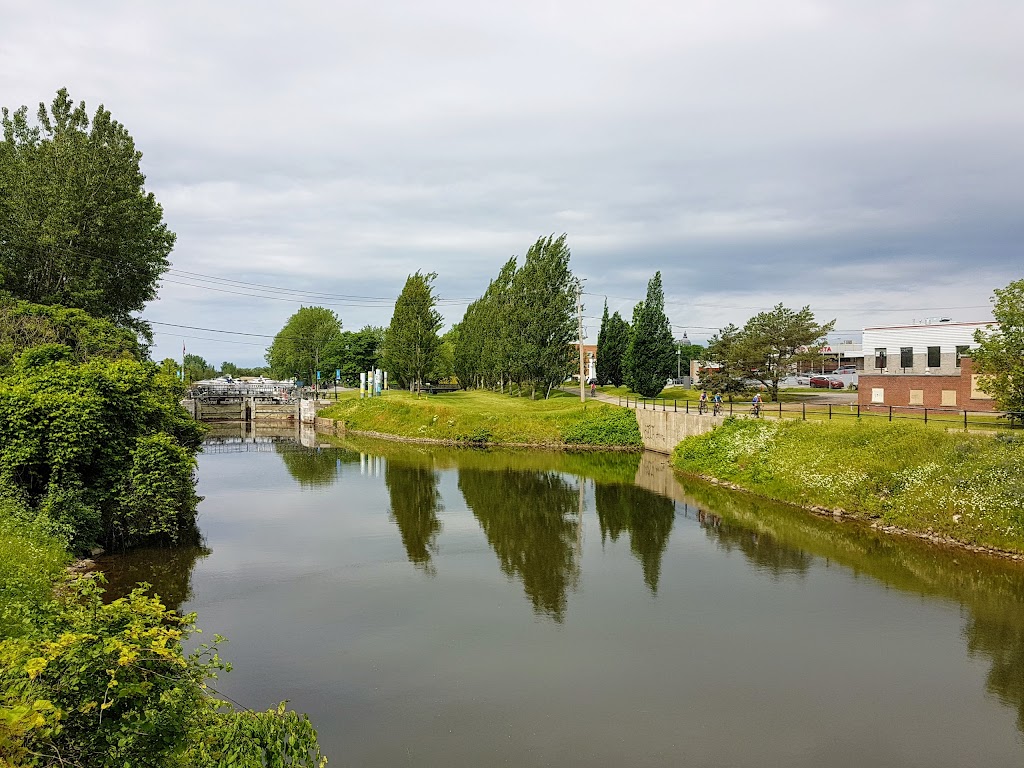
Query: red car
[826, 382]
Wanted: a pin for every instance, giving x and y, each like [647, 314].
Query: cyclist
[755, 405]
[717, 401]
[703, 407]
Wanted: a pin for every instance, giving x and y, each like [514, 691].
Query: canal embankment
[963, 490]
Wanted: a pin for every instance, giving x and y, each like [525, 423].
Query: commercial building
[932, 346]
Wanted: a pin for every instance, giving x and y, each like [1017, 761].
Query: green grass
[968, 487]
[31, 561]
[478, 417]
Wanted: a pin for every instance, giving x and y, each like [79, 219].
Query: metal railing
[951, 417]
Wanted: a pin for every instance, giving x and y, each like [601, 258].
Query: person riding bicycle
[756, 404]
[703, 401]
[717, 402]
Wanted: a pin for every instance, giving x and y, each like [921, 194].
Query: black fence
[948, 417]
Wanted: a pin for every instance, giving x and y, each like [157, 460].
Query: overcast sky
[865, 157]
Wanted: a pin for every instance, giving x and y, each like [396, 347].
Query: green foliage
[479, 416]
[101, 451]
[25, 326]
[77, 227]
[354, 352]
[411, 343]
[31, 560]
[300, 348]
[651, 356]
[612, 343]
[728, 376]
[970, 487]
[1000, 351]
[766, 349]
[197, 369]
[108, 684]
[604, 426]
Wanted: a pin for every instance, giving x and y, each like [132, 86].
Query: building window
[917, 397]
[877, 394]
[906, 357]
[934, 357]
[948, 397]
[962, 350]
[880, 357]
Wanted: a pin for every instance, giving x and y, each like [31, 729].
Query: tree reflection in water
[760, 548]
[314, 467]
[415, 503]
[531, 520]
[648, 518]
[168, 571]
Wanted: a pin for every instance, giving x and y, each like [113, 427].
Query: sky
[863, 157]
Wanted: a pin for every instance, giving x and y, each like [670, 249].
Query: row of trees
[313, 340]
[522, 330]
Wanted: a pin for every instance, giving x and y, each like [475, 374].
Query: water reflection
[781, 540]
[532, 522]
[648, 518]
[415, 504]
[168, 570]
[314, 467]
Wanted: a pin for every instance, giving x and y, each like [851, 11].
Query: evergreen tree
[650, 357]
[411, 342]
[602, 343]
[614, 350]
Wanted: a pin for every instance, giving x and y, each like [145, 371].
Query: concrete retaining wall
[662, 431]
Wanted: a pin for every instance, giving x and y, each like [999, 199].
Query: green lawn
[488, 417]
[968, 487]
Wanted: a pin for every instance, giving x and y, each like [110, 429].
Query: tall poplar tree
[411, 342]
[614, 350]
[602, 343]
[650, 357]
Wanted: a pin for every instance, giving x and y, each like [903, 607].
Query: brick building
[957, 390]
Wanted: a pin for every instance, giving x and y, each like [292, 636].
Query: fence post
[925, 415]
[803, 410]
[730, 407]
[965, 420]
[830, 411]
[675, 406]
[858, 409]
[687, 406]
[890, 413]
[780, 410]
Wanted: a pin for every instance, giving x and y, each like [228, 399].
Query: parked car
[803, 381]
[845, 369]
[826, 382]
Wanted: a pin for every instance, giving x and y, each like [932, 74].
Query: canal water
[439, 607]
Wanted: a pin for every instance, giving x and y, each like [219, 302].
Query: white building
[934, 346]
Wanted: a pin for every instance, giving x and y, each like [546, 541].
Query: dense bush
[604, 425]
[109, 685]
[970, 487]
[101, 451]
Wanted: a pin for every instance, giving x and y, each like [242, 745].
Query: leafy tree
[411, 343]
[355, 352]
[541, 320]
[77, 227]
[101, 451]
[728, 376]
[24, 325]
[602, 343]
[197, 369]
[772, 342]
[301, 346]
[999, 355]
[650, 356]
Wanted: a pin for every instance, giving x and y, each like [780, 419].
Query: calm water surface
[434, 607]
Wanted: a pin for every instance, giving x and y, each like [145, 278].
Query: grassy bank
[479, 417]
[967, 487]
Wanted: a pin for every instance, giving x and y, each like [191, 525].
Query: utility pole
[579, 313]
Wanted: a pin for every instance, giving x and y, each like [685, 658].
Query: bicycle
[702, 408]
[717, 410]
[755, 410]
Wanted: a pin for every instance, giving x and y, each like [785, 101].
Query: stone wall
[662, 431]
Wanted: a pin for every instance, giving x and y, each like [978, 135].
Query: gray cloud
[862, 157]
